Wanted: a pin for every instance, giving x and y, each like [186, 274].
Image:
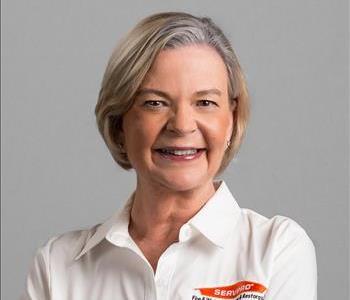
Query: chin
[183, 182]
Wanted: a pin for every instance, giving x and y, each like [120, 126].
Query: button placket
[164, 271]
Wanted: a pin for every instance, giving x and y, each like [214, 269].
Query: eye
[206, 102]
[153, 103]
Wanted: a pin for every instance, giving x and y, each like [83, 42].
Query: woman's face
[183, 102]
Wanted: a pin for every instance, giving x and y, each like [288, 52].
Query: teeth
[180, 152]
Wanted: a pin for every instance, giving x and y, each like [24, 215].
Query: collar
[218, 216]
[117, 224]
[214, 220]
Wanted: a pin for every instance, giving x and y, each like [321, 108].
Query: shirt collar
[214, 220]
[218, 216]
[118, 223]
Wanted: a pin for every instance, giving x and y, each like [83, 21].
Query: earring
[228, 144]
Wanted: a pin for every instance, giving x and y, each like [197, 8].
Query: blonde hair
[133, 57]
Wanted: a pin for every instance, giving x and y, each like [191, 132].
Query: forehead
[188, 68]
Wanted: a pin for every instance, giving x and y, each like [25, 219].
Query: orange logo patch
[234, 290]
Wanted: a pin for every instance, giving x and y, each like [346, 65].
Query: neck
[158, 212]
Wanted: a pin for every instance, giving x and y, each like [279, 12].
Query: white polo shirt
[223, 252]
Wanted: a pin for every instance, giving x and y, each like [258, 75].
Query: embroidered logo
[237, 291]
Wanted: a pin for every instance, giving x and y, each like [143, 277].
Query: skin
[169, 193]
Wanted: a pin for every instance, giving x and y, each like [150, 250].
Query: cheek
[218, 131]
[139, 131]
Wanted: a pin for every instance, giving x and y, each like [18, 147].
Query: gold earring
[228, 144]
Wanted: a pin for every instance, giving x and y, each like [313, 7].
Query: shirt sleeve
[294, 274]
[37, 286]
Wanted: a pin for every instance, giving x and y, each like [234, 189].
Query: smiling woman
[174, 107]
[147, 48]
[189, 110]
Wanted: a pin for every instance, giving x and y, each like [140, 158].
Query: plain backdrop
[57, 174]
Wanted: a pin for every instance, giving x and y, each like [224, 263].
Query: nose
[182, 121]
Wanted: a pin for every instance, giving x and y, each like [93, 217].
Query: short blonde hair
[133, 57]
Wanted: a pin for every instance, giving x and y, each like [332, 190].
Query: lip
[173, 158]
[179, 147]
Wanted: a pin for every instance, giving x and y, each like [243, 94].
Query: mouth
[179, 151]
[179, 154]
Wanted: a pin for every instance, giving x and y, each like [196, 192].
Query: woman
[174, 107]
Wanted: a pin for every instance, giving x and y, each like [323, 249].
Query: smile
[179, 155]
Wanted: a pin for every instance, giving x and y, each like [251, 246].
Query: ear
[233, 104]
[230, 127]
[233, 108]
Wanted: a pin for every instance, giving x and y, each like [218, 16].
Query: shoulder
[280, 232]
[67, 245]
[280, 225]
[56, 253]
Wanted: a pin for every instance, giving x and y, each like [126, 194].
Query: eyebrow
[166, 95]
